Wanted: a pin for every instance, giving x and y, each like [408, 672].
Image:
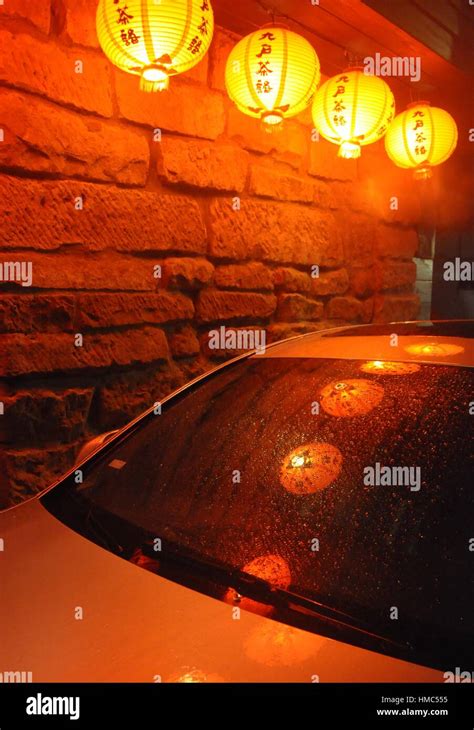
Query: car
[303, 513]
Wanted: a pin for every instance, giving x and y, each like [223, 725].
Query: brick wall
[96, 198]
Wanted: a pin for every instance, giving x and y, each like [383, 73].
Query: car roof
[443, 343]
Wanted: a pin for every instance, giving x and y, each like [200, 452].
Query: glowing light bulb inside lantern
[154, 78]
[155, 39]
[349, 150]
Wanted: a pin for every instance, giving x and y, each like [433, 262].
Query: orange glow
[434, 349]
[155, 40]
[271, 568]
[421, 137]
[194, 676]
[272, 74]
[310, 468]
[387, 367]
[353, 109]
[350, 397]
[277, 645]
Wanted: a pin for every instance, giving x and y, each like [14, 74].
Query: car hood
[140, 627]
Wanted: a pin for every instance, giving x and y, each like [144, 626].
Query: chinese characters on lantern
[339, 108]
[420, 138]
[381, 130]
[202, 29]
[263, 71]
[128, 36]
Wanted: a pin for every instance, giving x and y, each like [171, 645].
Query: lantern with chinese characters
[353, 109]
[155, 40]
[272, 74]
[421, 137]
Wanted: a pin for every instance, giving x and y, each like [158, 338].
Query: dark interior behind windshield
[266, 467]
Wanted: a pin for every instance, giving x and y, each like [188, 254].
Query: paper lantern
[153, 39]
[350, 397]
[421, 137]
[353, 109]
[272, 74]
[310, 468]
[387, 367]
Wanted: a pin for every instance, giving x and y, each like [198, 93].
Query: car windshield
[345, 481]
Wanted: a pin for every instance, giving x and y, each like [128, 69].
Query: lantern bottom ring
[424, 172]
[349, 150]
[154, 78]
[272, 117]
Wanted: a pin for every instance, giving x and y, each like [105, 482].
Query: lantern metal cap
[276, 24]
[418, 103]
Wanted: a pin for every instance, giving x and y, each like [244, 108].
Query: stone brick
[48, 353]
[330, 282]
[291, 280]
[184, 343]
[109, 310]
[215, 306]
[195, 162]
[244, 276]
[395, 274]
[282, 330]
[396, 308]
[186, 107]
[337, 195]
[38, 12]
[396, 242]
[382, 184]
[38, 416]
[363, 281]
[367, 310]
[32, 313]
[124, 397]
[79, 22]
[31, 470]
[280, 232]
[247, 334]
[43, 215]
[187, 273]
[222, 44]
[295, 307]
[49, 70]
[359, 239]
[347, 309]
[45, 138]
[61, 270]
[324, 162]
[272, 184]
[288, 143]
